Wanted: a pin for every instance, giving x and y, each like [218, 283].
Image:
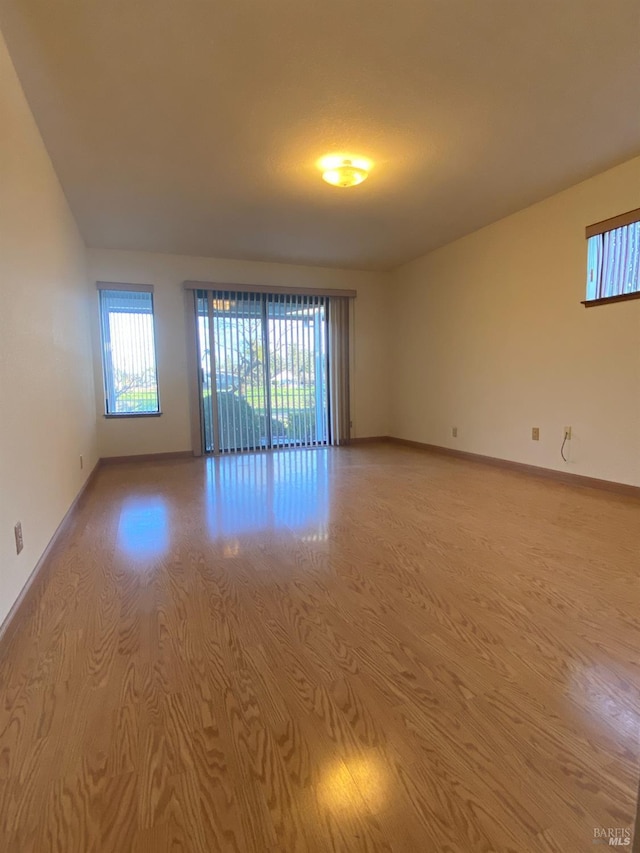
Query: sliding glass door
[296, 343]
[263, 370]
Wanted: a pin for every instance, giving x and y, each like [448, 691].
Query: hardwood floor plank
[357, 649]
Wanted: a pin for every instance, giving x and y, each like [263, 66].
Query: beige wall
[171, 431]
[491, 337]
[47, 415]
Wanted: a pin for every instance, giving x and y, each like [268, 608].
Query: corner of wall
[45, 369]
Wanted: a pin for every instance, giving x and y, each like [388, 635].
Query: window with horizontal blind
[613, 259]
[128, 351]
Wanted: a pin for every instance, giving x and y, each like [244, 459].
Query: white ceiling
[194, 126]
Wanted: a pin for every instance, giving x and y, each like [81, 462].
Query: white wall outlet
[454, 432]
[18, 534]
[567, 433]
[535, 433]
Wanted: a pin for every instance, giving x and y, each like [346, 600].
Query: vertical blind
[613, 257]
[264, 365]
[263, 370]
[296, 343]
[233, 371]
[614, 262]
[129, 354]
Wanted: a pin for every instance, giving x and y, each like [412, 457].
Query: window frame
[598, 229]
[108, 287]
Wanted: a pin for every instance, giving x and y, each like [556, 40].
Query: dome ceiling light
[344, 171]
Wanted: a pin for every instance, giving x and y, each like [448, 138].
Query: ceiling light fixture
[344, 171]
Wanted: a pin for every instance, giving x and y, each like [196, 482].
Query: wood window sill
[115, 417]
[605, 300]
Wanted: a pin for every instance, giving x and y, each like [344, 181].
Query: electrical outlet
[567, 433]
[18, 534]
[535, 433]
[81, 462]
[454, 432]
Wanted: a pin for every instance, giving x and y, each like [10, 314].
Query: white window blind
[613, 257]
[263, 370]
[129, 352]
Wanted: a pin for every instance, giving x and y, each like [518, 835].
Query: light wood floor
[360, 649]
